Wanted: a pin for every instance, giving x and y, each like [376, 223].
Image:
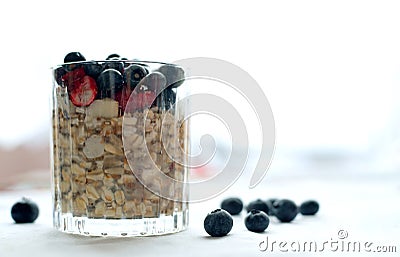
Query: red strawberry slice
[83, 91]
[71, 77]
[122, 97]
[140, 101]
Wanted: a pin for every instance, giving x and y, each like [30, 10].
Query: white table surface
[363, 203]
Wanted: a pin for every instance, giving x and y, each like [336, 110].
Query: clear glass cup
[114, 123]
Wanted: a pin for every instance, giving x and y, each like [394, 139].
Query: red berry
[83, 91]
[141, 100]
[122, 97]
[71, 77]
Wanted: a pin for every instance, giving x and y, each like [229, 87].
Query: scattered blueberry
[256, 221]
[258, 205]
[310, 207]
[109, 82]
[218, 223]
[270, 202]
[74, 57]
[133, 74]
[232, 205]
[175, 75]
[24, 211]
[285, 210]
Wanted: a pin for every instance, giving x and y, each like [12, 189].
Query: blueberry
[310, 207]
[154, 81]
[175, 75]
[218, 223]
[256, 221]
[285, 210]
[24, 211]
[93, 69]
[133, 74]
[109, 82]
[232, 205]
[270, 202]
[58, 74]
[126, 63]
[258, 205]
[74, 57]
[112, 56]
[169, 98]
[166, 99]
[70, 59]
[114, 64]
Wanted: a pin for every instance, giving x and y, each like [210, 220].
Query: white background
[329, 68]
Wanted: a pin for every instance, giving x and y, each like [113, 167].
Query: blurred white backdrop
[330, 69]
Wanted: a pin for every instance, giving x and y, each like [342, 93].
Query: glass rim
[140, 62]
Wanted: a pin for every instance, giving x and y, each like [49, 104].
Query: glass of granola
[119, 147]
